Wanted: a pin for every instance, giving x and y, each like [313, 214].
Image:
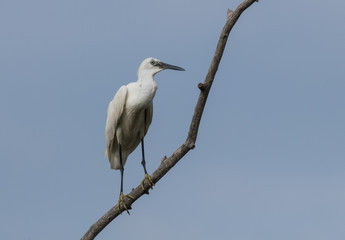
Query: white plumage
[126, 123]
[130, 112]
[129, 118]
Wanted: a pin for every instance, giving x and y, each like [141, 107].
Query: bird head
[152, 66]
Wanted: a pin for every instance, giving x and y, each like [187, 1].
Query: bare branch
[168, 163]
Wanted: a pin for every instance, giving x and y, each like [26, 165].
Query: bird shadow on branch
[169, 162]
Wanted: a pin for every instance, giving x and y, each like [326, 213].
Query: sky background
[269, 161]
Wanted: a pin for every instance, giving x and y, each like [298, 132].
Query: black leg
[121, 198]
[122, 169]
[147, 176]
[143, 162]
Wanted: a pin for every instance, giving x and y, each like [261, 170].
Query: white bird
[129, 117]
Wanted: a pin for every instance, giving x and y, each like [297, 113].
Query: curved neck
[145, 77]
[147, 74]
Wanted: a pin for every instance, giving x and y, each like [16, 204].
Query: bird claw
[121, 200]
[149, 181]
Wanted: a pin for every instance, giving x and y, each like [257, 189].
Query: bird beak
[168, 66]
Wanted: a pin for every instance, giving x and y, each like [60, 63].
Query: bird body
[129, 118]
[134, 116]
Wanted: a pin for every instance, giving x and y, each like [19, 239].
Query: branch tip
[229, 12]
[164, 158]
[201, 86]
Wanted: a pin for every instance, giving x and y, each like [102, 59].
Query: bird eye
[153, 62]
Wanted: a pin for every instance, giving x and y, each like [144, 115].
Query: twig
[168, 163]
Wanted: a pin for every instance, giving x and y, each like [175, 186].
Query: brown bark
[168, 163]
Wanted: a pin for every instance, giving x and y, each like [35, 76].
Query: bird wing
[148, 117]
[115, 110]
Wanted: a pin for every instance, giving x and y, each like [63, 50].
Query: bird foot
[149, 181]
[121, 200]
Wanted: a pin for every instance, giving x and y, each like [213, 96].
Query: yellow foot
[121, 200]
[149, 181]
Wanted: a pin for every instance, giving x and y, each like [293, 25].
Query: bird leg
[122, 196]
[143, 162]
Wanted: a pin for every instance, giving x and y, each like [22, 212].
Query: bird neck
[147, 84]
[146, 79]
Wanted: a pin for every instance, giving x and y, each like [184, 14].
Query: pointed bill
[169, 66]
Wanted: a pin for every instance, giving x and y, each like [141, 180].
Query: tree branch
[168, 163]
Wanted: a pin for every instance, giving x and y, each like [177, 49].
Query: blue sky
[269, 159]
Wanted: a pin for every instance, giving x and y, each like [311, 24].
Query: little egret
[129, 117]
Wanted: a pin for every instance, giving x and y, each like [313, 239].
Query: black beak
[168, 66]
